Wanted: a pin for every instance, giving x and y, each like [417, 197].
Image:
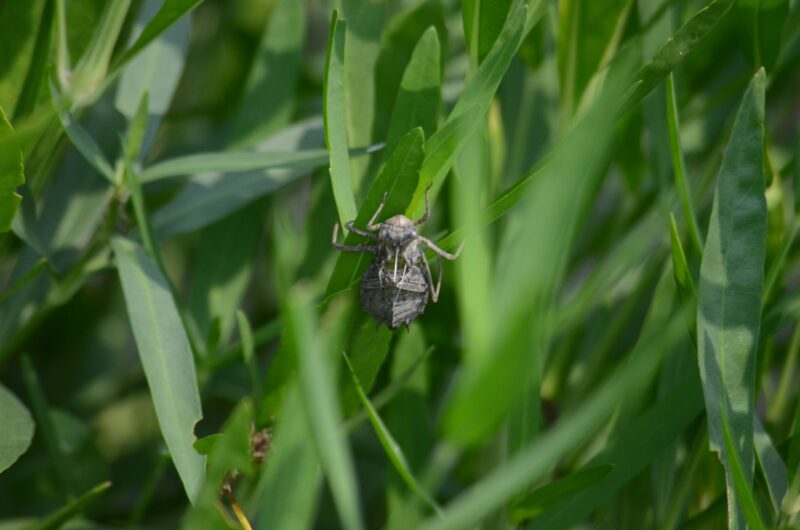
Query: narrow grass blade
[335, 117]
[679, 167]
[683, 279]
[72, 509]
[170, 12]
[545, 497]
[772, 467]
[166, 357]
[483, 22]
[369, 346]
[741, 482]
[417, 103]
[267, 106]
[80, 138]
[397, 180]
[471, 108]
[393, 451]
[11, 174]
[18, 426]
[731, 284]
[36, 77]
[286, 494]
[318, 393]
[229, 162]
[248, 351]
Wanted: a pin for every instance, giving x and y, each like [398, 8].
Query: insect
[397, 284]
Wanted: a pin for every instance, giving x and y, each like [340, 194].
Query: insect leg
[371, 225]
[394, 276]
[349, 248]
[427, 208]
[434, 290]
[442, 253]
[349, 226]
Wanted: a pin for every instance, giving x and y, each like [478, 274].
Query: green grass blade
[12, 174]
[741, 483]
[286, 493]
[318, 393]
[417, 103]
[683, 278]
[731, 284]
[335, 118]
[398, 180]
[533, 461]
[229, 162]
[72, 509]
[248, 351]
[772, 467]
[470, 109]
[483, 22]
[369, 346]
[170, 12]
[679, 167]
[545, 497]
[166, 357]
[37, 74]
[393, 450]
[16, 422]
[267, 106]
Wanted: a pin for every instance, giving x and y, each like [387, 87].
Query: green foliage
[616, 345]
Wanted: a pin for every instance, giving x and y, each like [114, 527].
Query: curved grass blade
[11, 174]
[683, 279]
[741, 482]
[319, 397]
[166, 357]
[228, 162]
[772, 467]
[730, 293]
[18, 426]
[335, 119]
[390, 446]
[73, 508]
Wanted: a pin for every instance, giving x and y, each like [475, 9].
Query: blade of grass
[318, 393]
[772, 467]
[16, 422]
[483, 22]
[166, 357]
[683, 279]
[12, 174]
[36, 76]
[730, 293]
[248, 350]
[741, 482]
[229, 162]
[72, 509]
[679, 167]
[393, 450]
[335, 118]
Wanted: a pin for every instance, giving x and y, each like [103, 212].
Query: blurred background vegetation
[617, 347]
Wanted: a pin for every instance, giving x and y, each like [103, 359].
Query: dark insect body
[398, 283]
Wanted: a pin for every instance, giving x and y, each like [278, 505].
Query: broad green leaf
[80, 138]
[483, 22]
[393, 451]
[286, 494]
[230, 453]
[417, 103]
[170, 12]
[397, 180]
[531, 463]
[267, 105]
[588, 32]
[730, 291]
[72, 509]
[679, 167]
[208, 197]
[19, 22]
[11, 174]
[545, 497]
[318, 394]
[400, 40]
[741, 483]
[772, 467]
[166, 357]
[335, 118]
[634, 447]
[470, 109]
[673, 52]
[16, 422]
[229, 162]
